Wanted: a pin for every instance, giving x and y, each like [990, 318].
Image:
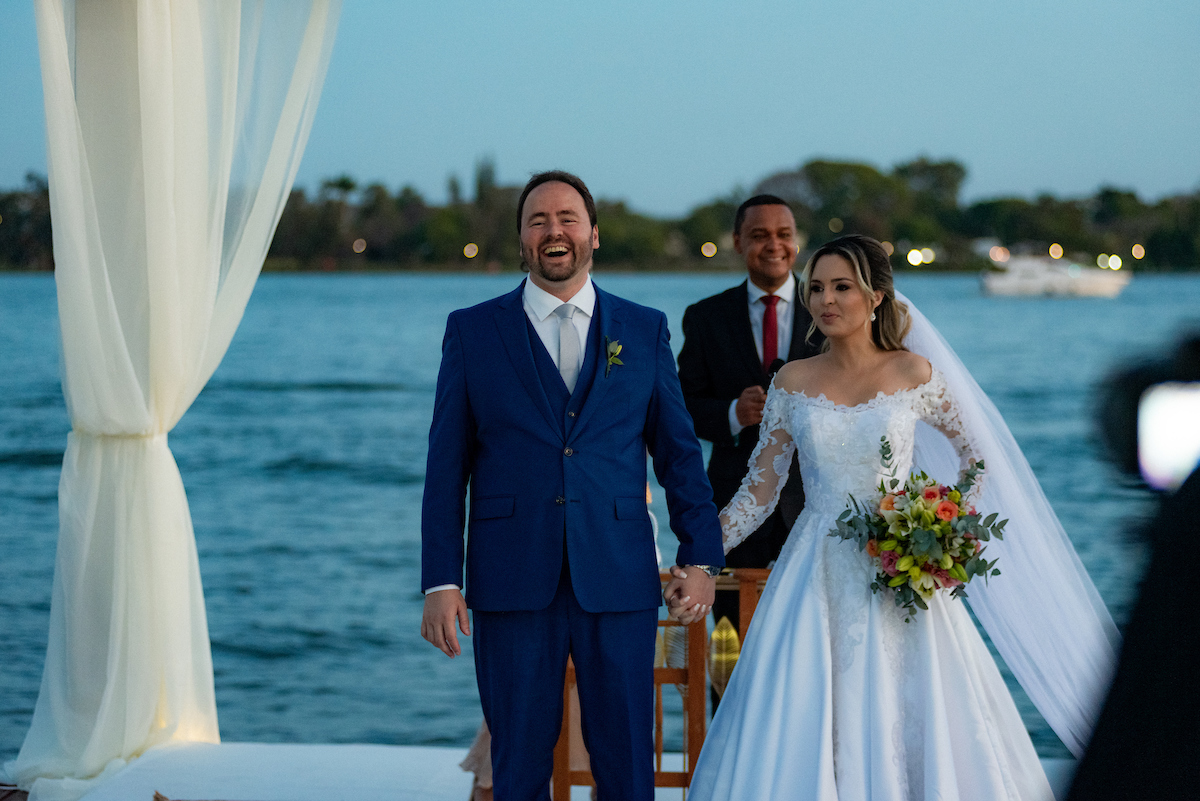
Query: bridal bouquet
[922, 536]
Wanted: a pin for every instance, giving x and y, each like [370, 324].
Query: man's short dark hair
[757, 200]
[573, 181]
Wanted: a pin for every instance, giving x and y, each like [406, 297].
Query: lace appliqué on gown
[759, 491]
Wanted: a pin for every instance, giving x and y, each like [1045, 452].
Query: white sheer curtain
[174, 132]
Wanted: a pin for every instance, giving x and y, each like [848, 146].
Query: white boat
[1042, 275]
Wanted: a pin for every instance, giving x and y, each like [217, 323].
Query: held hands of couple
[750, 403]
[444, 609]
[689, 594]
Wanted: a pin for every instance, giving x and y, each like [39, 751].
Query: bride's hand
[689, 594]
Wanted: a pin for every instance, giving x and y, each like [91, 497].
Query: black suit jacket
[719, 359]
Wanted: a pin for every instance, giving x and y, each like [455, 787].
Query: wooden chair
[748, 583]
[571, 764]
[570, 756]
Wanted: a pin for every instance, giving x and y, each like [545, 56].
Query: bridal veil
[1043, 612]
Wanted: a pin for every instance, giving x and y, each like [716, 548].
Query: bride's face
[837, 303]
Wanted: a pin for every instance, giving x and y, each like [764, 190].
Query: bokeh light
[998, 253]
[1139, 252]
[471, 250]
[927, 255]
[888, 246]
[1056, 251]
[914, 257]
[708, 250]
[836, 225]
[1114, 262]
[1102, 261]
[359, 245]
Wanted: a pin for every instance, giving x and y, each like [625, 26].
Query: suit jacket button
[570, 414]
[567, 451]
[560, 500]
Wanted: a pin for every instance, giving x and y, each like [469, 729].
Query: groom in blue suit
[548, 400]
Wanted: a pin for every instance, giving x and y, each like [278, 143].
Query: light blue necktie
[568, 346]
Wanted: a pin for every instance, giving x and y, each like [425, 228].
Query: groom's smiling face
[557, 237]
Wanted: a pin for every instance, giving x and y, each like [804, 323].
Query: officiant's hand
[749, 408]
[442, 610]
[689, 594]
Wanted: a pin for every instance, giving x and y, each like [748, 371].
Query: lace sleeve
[938, 409]
[768, 471]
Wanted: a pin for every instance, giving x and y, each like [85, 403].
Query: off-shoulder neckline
[880, 397]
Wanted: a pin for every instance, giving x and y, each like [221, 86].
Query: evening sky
[669, 104]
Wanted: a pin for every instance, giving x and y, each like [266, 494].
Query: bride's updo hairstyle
[874, 272]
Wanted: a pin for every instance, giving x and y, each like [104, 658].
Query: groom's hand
[689, 594]
[443, 609]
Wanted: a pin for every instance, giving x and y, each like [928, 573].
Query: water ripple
[360, 473]
[315, 386]
[32, 458]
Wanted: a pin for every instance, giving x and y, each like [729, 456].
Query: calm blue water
[304, 461]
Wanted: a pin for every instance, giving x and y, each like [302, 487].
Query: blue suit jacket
[535, 490]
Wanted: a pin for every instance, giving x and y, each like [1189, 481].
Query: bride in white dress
[835, 696]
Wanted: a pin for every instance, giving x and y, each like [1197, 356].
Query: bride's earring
[872, 316]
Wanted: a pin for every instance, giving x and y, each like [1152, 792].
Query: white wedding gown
[835, 696]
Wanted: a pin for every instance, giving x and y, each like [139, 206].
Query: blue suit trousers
[521, 661]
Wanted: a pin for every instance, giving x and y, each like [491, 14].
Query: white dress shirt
[540, 305]
[539, 308]
[785, 314]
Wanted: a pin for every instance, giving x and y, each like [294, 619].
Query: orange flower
[931, 494]
[946, 510]
[872, 548]
[888, 504]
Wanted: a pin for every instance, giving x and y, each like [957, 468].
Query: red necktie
[770, 332]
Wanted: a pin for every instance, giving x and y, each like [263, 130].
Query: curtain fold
[173, 135]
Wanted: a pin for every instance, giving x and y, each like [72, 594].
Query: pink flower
[889, 560]
[944, 490]
[930, 494]
[943, 577]
[946, 510]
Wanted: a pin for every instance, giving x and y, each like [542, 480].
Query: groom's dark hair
[573, 181]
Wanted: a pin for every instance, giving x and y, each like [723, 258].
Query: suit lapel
[743, 335]
[608, 318]
[801, 320]
[511, 323]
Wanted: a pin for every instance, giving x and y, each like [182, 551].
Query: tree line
[914, 205]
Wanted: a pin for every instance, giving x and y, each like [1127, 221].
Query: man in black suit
[733, 343]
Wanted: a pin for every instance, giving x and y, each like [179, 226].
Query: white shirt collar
[786, 293]
[543, 304]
